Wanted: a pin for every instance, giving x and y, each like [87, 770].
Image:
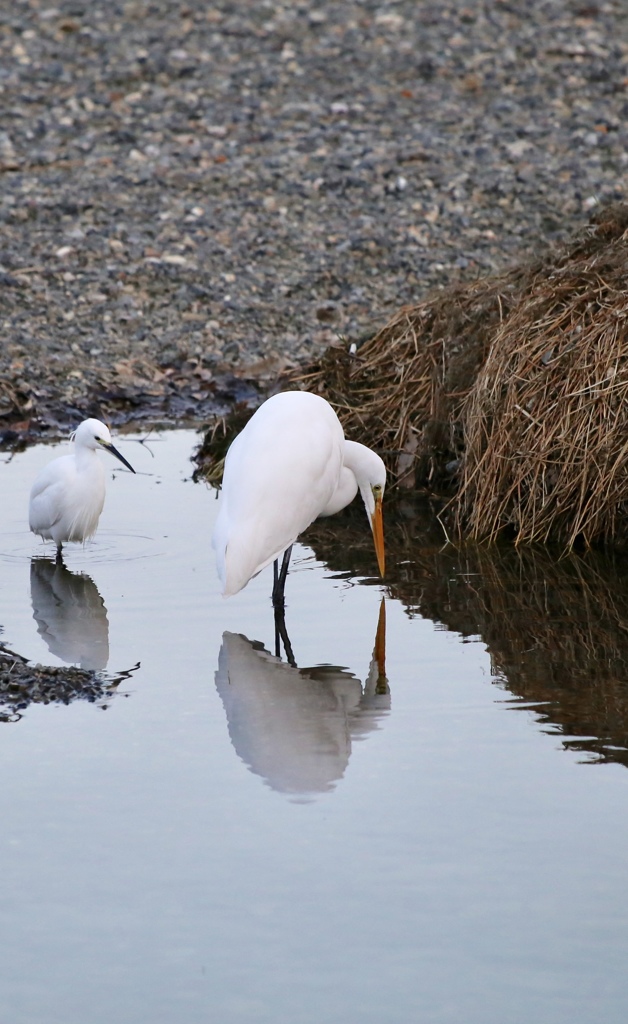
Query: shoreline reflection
[555, 624]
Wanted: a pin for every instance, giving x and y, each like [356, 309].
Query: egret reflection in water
[70, 614]
[295, 726]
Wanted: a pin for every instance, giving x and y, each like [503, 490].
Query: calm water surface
[225, 838]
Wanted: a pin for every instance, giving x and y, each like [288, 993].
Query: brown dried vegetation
[507, 395]
[509, 392]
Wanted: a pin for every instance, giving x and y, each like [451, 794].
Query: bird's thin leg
[281, 634]
[59, 558]
[280, 578]
[277, 638]
[275, 584]
[277, 633]
[284, 567]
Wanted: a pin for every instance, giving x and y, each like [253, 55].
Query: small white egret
[290, 464]
[68, 495]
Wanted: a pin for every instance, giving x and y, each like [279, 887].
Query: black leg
[59, 558]
[275, 581]
[284, 567]
[277, 641]
[280, 578]
[281, 636]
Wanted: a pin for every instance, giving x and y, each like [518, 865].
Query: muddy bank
[23, 684]
[196, 198]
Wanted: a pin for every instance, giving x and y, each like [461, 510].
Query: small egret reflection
[68, 495]
[70, 614]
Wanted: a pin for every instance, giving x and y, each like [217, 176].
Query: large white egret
[290, 464]
[68, 495]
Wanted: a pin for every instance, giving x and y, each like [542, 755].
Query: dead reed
[546, 421]
[509, 391]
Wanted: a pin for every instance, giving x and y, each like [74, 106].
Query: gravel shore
[197, 196]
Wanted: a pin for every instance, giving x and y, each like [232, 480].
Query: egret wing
[46, 504]
[280, 473]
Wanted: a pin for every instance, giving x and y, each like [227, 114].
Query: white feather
[289, 465]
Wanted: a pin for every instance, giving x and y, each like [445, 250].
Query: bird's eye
[377, 490]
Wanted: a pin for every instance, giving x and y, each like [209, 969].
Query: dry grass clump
[511, 389]
[546, 422]
[403, 392]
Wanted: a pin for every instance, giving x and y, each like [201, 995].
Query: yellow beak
[377, 526]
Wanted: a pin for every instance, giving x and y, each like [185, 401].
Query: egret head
[370, 473]
[94, 434]
[377, 521]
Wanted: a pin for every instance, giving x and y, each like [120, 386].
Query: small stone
[390, 20]
[327, 313]
[175, 259]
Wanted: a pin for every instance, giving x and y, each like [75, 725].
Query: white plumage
[290, 464]
[68, 495]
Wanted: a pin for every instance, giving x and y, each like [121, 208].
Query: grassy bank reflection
[556, 627]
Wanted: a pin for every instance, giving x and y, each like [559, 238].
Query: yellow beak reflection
[379, 652]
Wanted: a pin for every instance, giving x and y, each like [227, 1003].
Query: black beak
[114, 451]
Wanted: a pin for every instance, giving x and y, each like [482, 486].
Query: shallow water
[226, 838]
